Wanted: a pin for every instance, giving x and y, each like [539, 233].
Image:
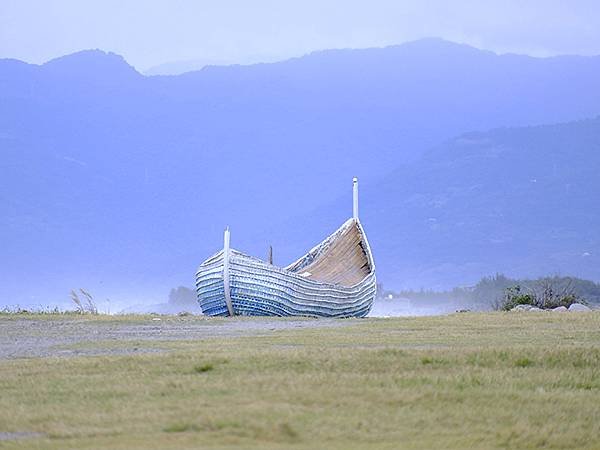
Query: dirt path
[29, 337]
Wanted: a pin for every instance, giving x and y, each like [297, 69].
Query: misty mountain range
[123, 183]
[179, 67]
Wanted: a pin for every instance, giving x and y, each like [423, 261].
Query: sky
[151, 32]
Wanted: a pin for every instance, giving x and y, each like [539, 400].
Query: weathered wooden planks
[341, 282]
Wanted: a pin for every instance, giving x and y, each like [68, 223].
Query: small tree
[514, 296]
[552, 294]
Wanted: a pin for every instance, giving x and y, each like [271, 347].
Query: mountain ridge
[440, 45]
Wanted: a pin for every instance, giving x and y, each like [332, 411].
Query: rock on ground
[579, 307]
[522, 308]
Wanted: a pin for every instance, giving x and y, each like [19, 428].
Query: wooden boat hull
[259, 288]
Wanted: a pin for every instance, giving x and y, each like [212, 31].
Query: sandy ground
[68, 336]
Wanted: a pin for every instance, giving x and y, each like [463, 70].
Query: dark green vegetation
[497, 380]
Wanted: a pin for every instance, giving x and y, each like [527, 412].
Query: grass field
[495, 380]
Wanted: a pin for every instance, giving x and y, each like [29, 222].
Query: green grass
[501, 380]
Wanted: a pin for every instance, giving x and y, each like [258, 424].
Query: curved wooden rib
[342, 260]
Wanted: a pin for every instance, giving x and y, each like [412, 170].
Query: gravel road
[23, 337]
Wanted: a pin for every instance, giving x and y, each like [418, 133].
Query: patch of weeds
[488, 359]
[85, 304]
[475, 360]
[475, 382]
[41, 310]
[180, 428]
[523, 362]
[427, 360]
[202, 368]
[502, 355]
[468, 382]
[392, 352]
[227, 424]
[232, 427]
[588, 359]
[287, 430]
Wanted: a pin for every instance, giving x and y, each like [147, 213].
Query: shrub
[523, 362]
[203, 368]
[513, 296]
[551, 295]
[546, 294]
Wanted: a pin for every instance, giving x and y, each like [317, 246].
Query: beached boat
[334, 279]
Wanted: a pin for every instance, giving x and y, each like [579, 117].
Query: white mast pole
[355, 198]
[226, 240]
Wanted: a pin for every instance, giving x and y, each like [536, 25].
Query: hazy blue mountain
[520, 201]
[179, 67]
[122, 183]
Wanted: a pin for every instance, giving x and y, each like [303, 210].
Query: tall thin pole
[355, 198]
[226, 271]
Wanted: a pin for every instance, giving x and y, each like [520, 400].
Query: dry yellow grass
[501, 380]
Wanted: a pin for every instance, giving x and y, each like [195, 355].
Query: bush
[514, 297]
[523, 362]
[546, 294]
[550, 295]
[203, 368]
